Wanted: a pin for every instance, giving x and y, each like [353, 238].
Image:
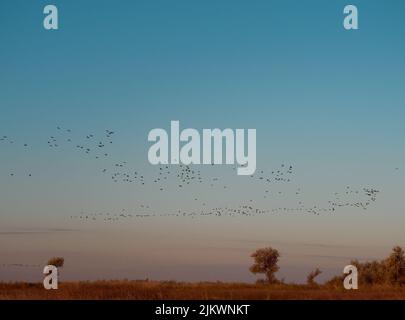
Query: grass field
[166, 290]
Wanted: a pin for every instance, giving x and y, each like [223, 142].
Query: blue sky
[326, 100]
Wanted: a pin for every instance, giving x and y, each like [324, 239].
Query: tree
[58, 262]
[390, 271]
[265, 261]
[311, 277]
[370, 272]
[395, 266]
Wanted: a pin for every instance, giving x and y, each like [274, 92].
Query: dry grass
[154, 290]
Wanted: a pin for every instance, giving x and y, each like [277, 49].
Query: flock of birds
[176, 178]
[249, 209]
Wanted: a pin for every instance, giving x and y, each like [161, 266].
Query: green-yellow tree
[265, 261]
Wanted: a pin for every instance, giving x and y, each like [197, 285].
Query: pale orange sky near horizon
[197, 249]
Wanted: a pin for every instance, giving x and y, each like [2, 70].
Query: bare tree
[311, 277]
[265, 261]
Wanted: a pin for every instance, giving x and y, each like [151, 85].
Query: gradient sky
[328, 101]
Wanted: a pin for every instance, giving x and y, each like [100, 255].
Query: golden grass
[170, 290]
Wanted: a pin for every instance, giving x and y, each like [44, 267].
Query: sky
[324, 100]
